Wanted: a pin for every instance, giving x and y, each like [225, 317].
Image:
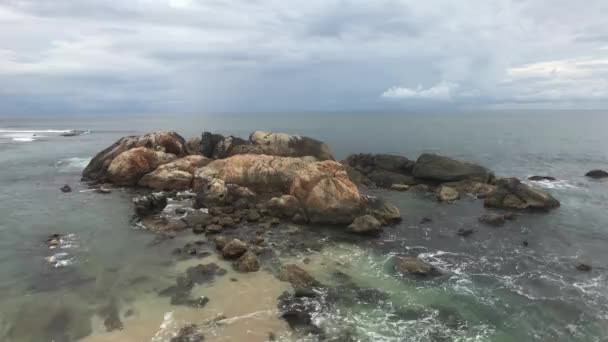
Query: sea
[108, 272]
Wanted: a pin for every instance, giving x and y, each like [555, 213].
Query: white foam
[558, 184]
[73, 163]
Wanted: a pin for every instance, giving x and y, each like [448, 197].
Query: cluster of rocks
[448, 179]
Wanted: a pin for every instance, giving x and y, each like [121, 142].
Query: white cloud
[442, 91]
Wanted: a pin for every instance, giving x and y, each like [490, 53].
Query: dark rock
[513, 194]
[386, 179]
[366, 225]
[197, 218]
[414, 266]
[220, 242]
[426, 220]
[234, 249]
[298, 312]
[597, 174]
[103, 191]
[65, 188]
[542, 178]
[53, 240]
[248, 262]
[73, 133]
[218, 146]
[226, 222]
[298, 278]
[443, 169]
[356, 176]
[253, 216]
[150, 204]
[204, 273]
[477, 189]
[583, 267]
[199, 230]
[214, 229]
[464, 232]
[367, 163]
[496, 220]
[525, 243]
[382, 210]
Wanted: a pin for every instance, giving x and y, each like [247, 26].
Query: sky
[127, 56]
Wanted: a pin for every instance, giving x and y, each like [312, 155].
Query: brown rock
[248, 262]
[366, 225]
[193, 146]
[513, 194]
[298, 278]
[214, 229]
[234, 249]
[128, 167]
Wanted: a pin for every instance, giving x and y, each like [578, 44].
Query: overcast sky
[98, 56]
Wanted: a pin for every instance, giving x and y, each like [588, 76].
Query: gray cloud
[238, 55]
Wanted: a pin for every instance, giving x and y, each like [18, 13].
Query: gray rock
[382, 210]
[443, 169]
[597, 174]
[414, 266]
[513, 194]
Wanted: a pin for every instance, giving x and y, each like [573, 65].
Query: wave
[559, 184]
[34, 131]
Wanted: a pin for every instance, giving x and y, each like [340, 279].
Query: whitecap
[558, 184]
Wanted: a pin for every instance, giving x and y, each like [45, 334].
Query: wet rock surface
[407, 266]
[365, 225]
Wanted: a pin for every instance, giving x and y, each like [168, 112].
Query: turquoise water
[495, 289]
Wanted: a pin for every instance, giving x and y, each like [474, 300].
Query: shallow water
[494, 288]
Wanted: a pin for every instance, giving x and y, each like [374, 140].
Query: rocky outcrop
[130, 166]
[365, 225]
[597, 174]
[168, 142]
[477, 189]
[176, 175]
[511, 193]
[437, 168]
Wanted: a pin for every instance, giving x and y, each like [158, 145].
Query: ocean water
[495, 289]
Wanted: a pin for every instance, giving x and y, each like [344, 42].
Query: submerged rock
[443, 169]
[464, 232]
[297, 277]
[204, 273]
[496, 219]
[511, 193]
[366, 225]
[414, 266]
[447, 194]
[248, 262]
[583, 267]
[65, 188]
[597, 174]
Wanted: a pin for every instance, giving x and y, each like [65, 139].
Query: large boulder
[169, 142]
[193, 146]
[326, 193]
[438, 168]
[511, 193]
[298, 278]
[130, 166]
[176, 175]
[285, 145]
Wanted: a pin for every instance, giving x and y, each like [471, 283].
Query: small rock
[298, 218]
[400, 187]
[248, 262]
[103, 191]
[181, 211]
[214, 229]
[226, 221]
[366, 224]
[597, 174]
[197, 218]
[199, 229]
[65, 188]
[220, 242]
[525, 243]
[447, 194]
[253, 216]
[234, 249]
[465, 232]
[274, 221]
